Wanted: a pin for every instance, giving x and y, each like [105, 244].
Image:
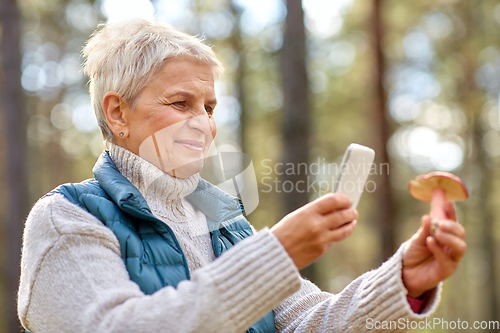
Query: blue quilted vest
[148, 246]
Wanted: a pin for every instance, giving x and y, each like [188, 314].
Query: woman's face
[171, 125]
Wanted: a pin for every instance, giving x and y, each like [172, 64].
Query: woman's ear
[116, 113]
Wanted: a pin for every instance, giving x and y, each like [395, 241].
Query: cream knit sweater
[73, 278]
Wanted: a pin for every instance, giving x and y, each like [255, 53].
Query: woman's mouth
[191, 144]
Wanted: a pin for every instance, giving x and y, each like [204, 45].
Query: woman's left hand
[431, 259]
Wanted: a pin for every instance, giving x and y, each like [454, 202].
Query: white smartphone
[354, 171]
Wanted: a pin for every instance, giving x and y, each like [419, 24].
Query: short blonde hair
[124, 57]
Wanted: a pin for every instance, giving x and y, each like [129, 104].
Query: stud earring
[120, 134]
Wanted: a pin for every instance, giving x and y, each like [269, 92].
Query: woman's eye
[210, 110]
[180, 103]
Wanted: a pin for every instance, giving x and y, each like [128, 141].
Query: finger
[456, 245]
[425, 227]
[449, 208]
[330, 202]
[452, 228]
[342, 232]
[437, 251]
[340, 217]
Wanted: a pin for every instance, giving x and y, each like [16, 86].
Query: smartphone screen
[354, 171]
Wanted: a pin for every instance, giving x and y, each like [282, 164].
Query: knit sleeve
[73, 279]
[375, 301]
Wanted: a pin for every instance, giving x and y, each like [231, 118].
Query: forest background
[417, 81]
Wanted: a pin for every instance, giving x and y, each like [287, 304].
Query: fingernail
[434, 226]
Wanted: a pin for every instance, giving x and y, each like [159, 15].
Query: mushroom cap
[421, 187]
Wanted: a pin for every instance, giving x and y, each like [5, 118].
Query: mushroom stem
[437, 204]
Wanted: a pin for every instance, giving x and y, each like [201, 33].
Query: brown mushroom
[438, 187]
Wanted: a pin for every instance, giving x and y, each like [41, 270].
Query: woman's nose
[201, 123]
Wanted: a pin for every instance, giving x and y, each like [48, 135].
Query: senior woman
[149, 246]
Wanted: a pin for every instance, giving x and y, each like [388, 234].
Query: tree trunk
[382, 135]
[296, 111]
[15, 129]
[488, 234]
[238, 47]
[472, 101]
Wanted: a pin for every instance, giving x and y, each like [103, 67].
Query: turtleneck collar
[163, 193]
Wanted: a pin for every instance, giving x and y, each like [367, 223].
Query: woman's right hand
[308, 233]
